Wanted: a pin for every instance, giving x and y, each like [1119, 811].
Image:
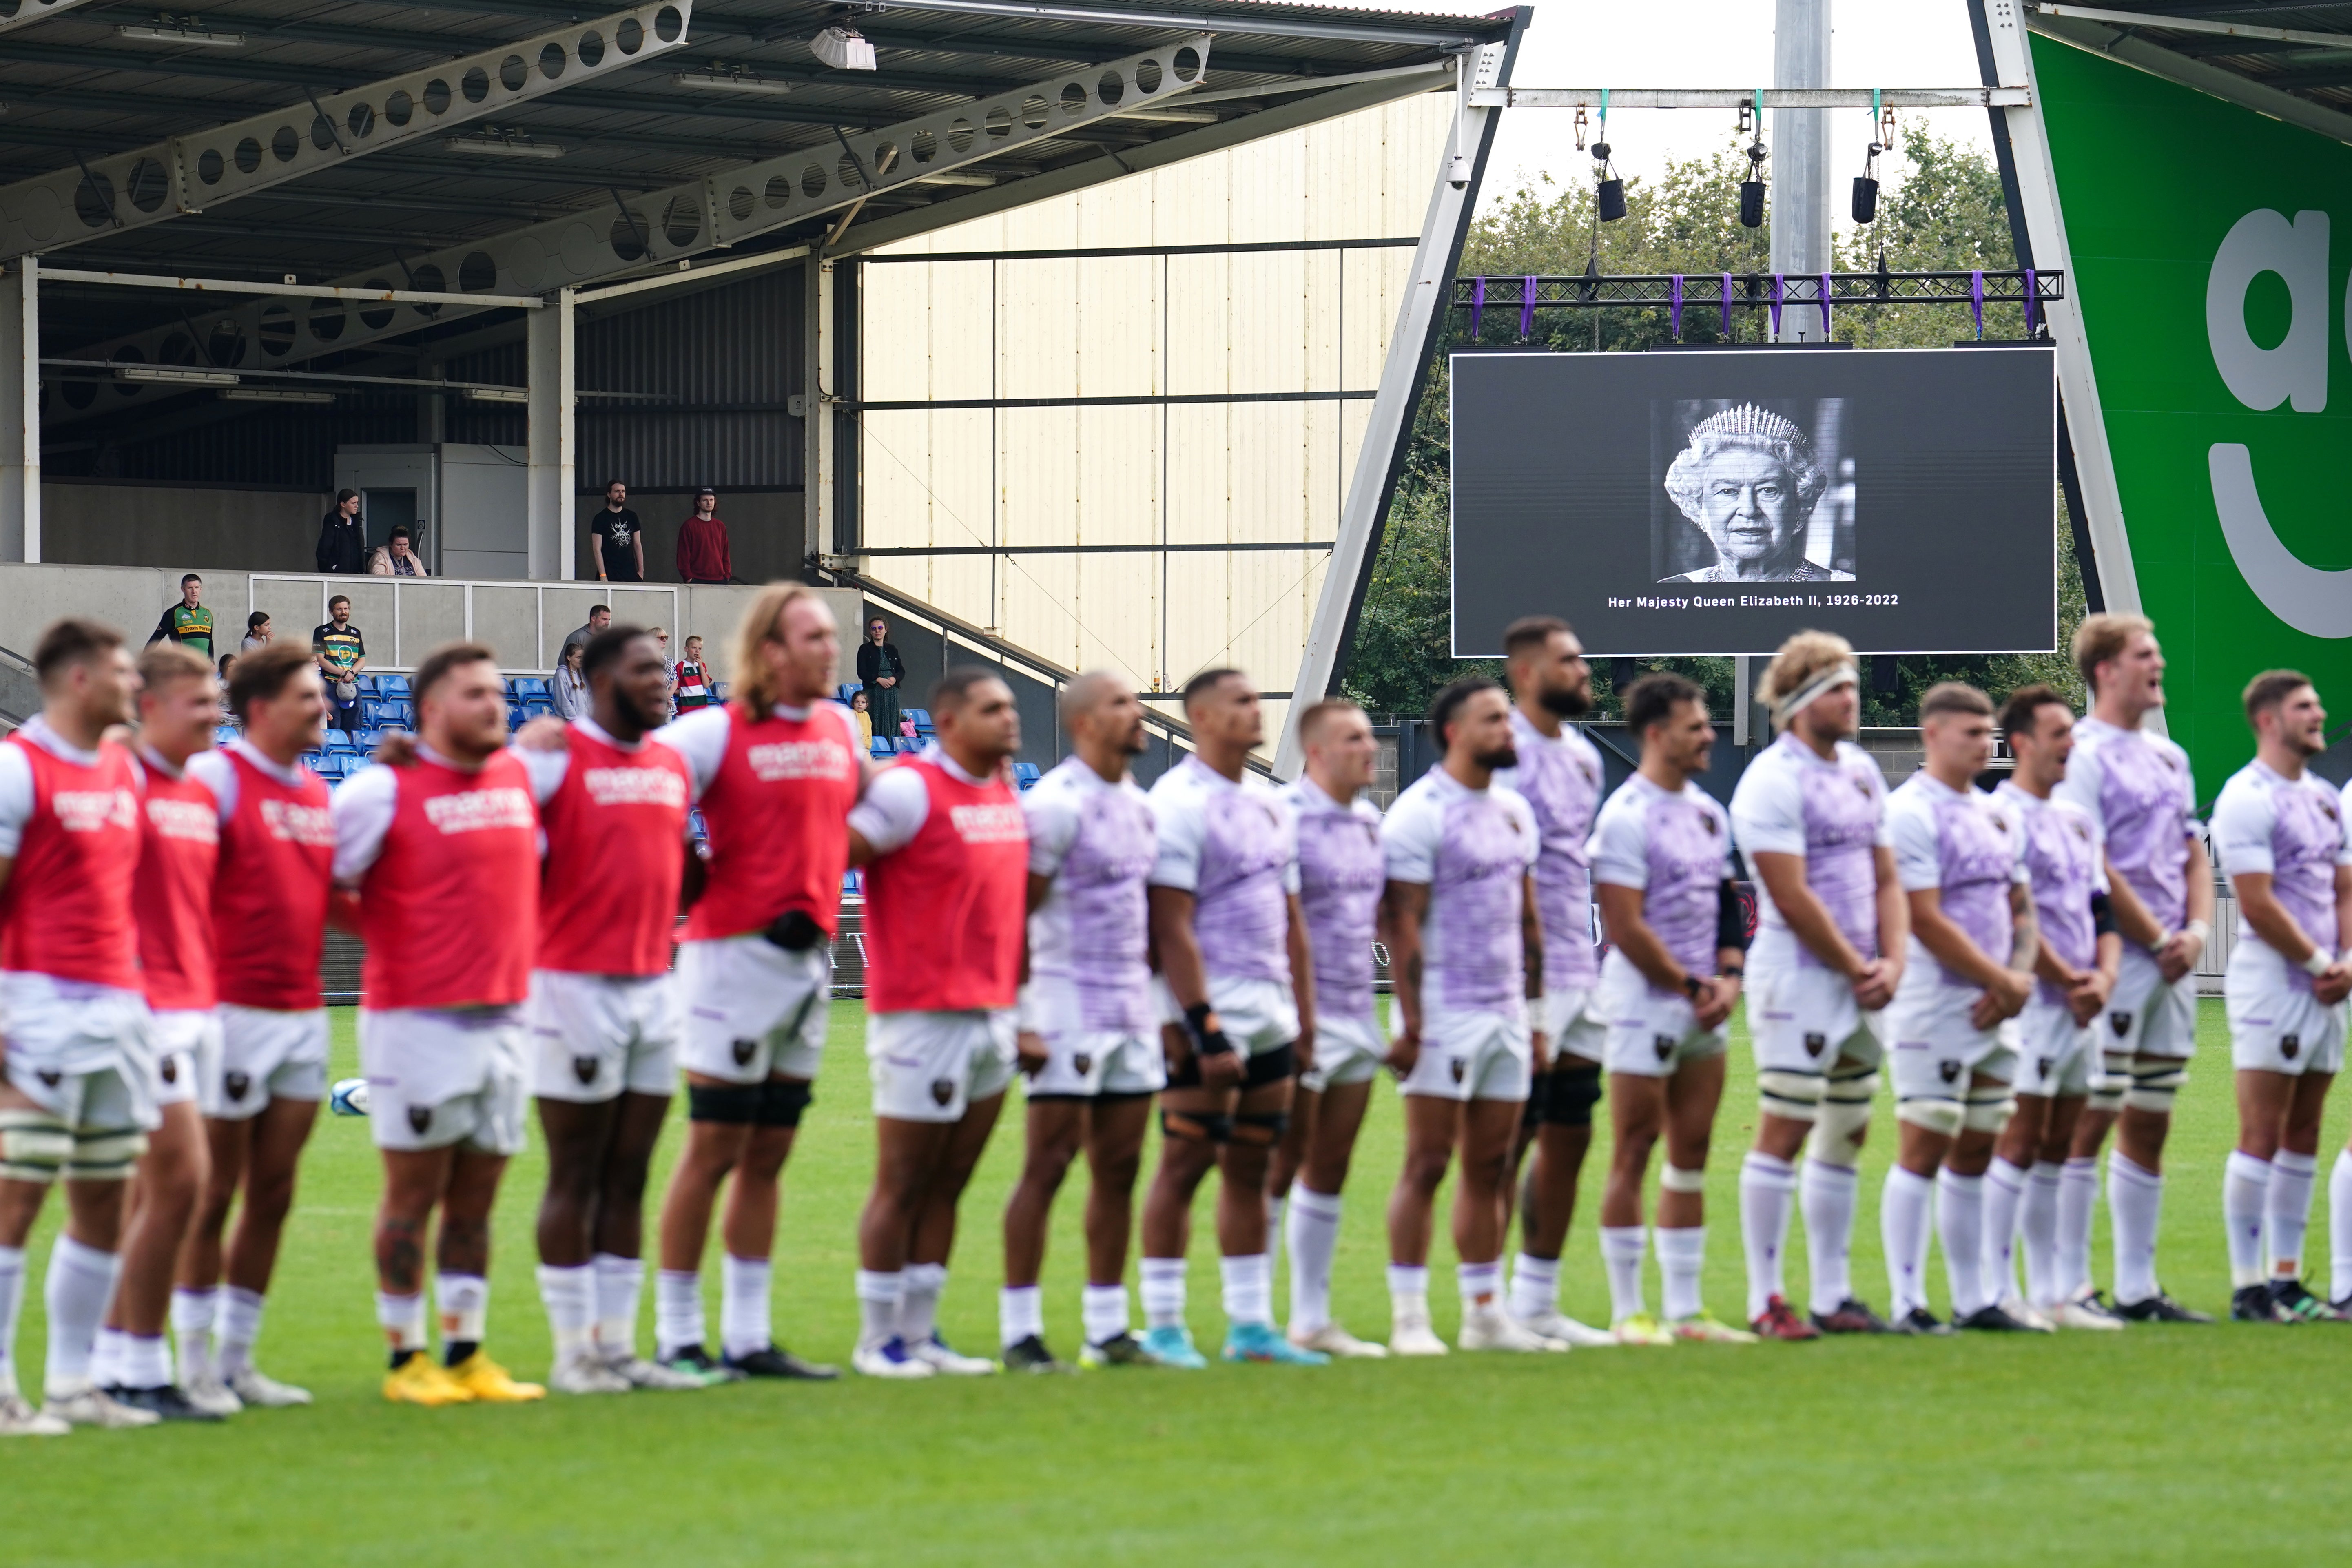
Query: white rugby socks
[402, 1317]
[1622, 1246]
[1534, 1287]
[743, 1325]
[2004, 1196]
[1903, 1232]
[1248, 1286]
[1960, 1226]
[918, 1302]
[2134, 1201]
[1827, 1193]
[79, 1284]
[240, 1327]
[1682, 1258]
[2340, 1237]
[2078, 1194]
[2037, 1222]
[1479, 1284]
[1408, 1295]
[12, 1301]
[465, 1303]
[1020, 1313]
[1102, 1313]
[1314, 1236]
[191, 1328]
[1163, 1292]
[110, 1358]
[620, 1281]
[2245, 1192]
[1768, 1188]
[143, 1361]
[2292, 1176]
[569, 1294]
[877, 1307]
[677, 1311]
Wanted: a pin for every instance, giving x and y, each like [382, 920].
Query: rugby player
[2138, 792]
[2339, 1179]
[272, 884]
[1340, 876]
[602, 1015]
[1466, 949]
[1974, 938]
[76, 1087]
[2279, 831]
[775, 771]
[1560, 774]
[179, 832]
[443, 854]
[1662, 871]
[2074, 972]
[946, 855]
[1810, 815]
[1238, 1009]
[1088, 1036]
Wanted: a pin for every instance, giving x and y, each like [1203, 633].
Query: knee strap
[1939, 1116]
[735, 1104]
[1674, 1179]
[1846, 1100]
[1195, 1126]
[34, 1146]
[1270, 1067]
[1262, 1129]
[2154, 1080]
[1990, 1109]
[105, 1156]
[782, 1100]
[1570, 1095]
[1794, 1095]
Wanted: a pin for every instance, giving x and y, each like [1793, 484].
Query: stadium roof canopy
[2300, 47]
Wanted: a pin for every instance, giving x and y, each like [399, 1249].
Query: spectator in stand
[620, 539]
[661, 643]
[256, 632]
[393, 558]
[691, 679]
[227, 715]
[188, 623]
[599, 617]
[342, 537]
[571, 682]
[865, 719]
[880, 670]
[702, 554]
[342, 653]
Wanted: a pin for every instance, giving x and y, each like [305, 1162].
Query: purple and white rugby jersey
[1473, 849]
[1229, 846]
[1832, 812]
[1561, 780]
[1675, 846]
[2138, 789]
[2064, 862]
[1340, 873]
[2293, 829]
[1955, 841]
[1098, 842]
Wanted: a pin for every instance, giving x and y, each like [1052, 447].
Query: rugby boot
[1921, 1323]
[1645, 1330]
[2302, 1306]
[490, 1384]
[1121, 1349]
[1172, 1345]
[168, 1403]
[2256, 1304]
[2160, 1308]
[1334, 1340]
[1706, 1327]
[1853, 1316]
[1029, 1355]
[421, 1380]
[1778, 1322]
[775, 1361]
[1261, 1343]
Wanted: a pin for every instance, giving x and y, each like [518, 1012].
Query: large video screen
[1705, 501]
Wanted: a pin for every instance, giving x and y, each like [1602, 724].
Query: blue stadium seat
[537, 704]
[387, 713]
[846, 691]
[527, 687]
[700, 828]
[884, 747]
[339, 743]
[922, 718]
[310, 761]
[369, 684]
[334, 766]
[719, 689]
[392, 686]
[1025, 775]
[223, 734]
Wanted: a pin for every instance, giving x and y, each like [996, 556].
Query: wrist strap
[1207, 1041]
[2319, 962]
[2199, 930]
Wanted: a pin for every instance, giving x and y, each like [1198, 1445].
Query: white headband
[1796, 702]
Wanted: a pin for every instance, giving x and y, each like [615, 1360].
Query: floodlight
[844, 49]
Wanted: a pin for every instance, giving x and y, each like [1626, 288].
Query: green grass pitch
[2155, 1446]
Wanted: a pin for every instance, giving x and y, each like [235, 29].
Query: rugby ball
[350, 1096]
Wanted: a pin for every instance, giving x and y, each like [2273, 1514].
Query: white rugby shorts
[435, 1077]
[184, 1047]
[80, 1052]
[594, 1035]
[2145, 1016]
[1803, 1018]
[1081, 1062]
[2057, 1058]
[753, 1010]
[266, 1055]
[1466, 1053]
[2278, 1026]
[1346, 1050]
[1259, 1015]
[1651, 1032]
[1574, 1024]
[932, 1066]
[1938, 1048]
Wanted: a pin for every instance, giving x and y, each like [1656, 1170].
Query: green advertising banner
[2210, 248]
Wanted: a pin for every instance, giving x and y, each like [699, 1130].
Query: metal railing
[513, 616]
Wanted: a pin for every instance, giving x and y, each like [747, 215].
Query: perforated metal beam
[31, 11]
[663, 228]
[99, 197]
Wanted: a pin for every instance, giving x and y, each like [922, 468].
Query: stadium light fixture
[1608, 190]
[274, 395]
[844, 49]
[1866, 184]
[183, 376]
[722, 80]
[497, 143]
[498, 394]
[166, 31]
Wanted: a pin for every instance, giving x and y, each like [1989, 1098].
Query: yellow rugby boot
[420, 1380]
[486, 1381]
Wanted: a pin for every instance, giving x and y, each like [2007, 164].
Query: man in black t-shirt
[620, 539]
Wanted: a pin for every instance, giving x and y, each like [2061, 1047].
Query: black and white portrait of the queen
[1751, 481]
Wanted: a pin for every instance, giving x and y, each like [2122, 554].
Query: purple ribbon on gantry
[1726, 305]
[1825, 304]
[2030, 302]
[1478, 303]
[1775, 304]
[1675, 310]
[1527, 308]
[1976, 301]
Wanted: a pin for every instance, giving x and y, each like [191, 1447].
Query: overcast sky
[1713, 43]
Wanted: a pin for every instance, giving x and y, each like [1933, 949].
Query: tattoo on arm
[2027, 939]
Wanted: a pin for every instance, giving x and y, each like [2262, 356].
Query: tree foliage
[1946, 213]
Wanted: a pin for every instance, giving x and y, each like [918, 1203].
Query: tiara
[1749, 420]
